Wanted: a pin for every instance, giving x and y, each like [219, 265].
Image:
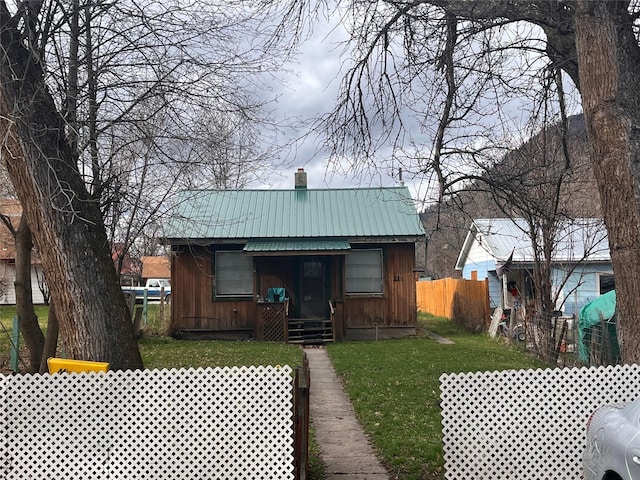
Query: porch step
[308, 331]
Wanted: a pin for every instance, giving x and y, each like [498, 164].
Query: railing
[332, 317]
[271, 322]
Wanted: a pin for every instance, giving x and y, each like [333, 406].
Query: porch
[273, 323]
[221, 293]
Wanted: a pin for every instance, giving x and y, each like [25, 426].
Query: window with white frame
[364, 272]
[606, 282]
[234, 274]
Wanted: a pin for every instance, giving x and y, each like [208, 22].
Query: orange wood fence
[464, 301]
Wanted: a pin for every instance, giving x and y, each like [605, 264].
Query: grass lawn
[165, 352]
[393, 384]
[395, 390]
[162, 352]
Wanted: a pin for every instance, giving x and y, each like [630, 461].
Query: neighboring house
[155, 267]
[500, 250]
[13, 210]
[344, 257]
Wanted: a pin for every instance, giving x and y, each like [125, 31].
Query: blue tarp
[600, 311]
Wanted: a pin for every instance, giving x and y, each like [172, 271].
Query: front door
[313, 288]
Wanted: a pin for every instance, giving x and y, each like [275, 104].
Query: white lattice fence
[150, 424]
[525, 424]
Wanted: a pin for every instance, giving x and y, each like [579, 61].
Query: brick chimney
[301, 179]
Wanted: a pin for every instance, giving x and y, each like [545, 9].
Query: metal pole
[15, 344]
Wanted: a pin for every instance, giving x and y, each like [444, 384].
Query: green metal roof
[305, 245]
[286, 214]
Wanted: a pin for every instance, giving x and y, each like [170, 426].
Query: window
[364, 271]
[234, 274]
[606, 282]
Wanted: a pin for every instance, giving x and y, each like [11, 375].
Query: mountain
[534, 179]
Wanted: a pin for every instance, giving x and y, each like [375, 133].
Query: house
[500, 250]
[298, 265]
[155, 266]
[12, 210]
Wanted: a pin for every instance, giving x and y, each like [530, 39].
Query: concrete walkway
[344, 448]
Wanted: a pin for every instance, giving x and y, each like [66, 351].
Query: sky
[309, 91]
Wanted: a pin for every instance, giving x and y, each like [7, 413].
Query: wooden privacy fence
[464, 301]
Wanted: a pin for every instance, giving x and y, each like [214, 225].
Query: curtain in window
[364, 271]
[234, 274]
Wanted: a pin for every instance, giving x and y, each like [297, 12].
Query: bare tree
[28, 319]
[66, 223]
[82, 84]
[14, 221]
[499, 45]
[158, 98]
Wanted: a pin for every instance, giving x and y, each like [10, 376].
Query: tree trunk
[608, 60]
[29, 326]
[67, 226]
[51, 340]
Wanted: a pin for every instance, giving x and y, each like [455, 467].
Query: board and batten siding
[194, 308]
[397, 306]
[192, 304]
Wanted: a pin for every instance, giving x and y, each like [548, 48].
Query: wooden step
[309, 331]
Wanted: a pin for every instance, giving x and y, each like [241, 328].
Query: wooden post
[285, 320]
[258, 332]
[145, 306]
[302, 384]
[487, 303]
[161, 312]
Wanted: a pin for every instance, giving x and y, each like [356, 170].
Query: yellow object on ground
[61, 365]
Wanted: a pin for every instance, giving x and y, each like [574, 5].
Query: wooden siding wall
[194, 308]
[465, 301]
[397, 306]
[581, 287]
[274, 272]
[192, 305]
